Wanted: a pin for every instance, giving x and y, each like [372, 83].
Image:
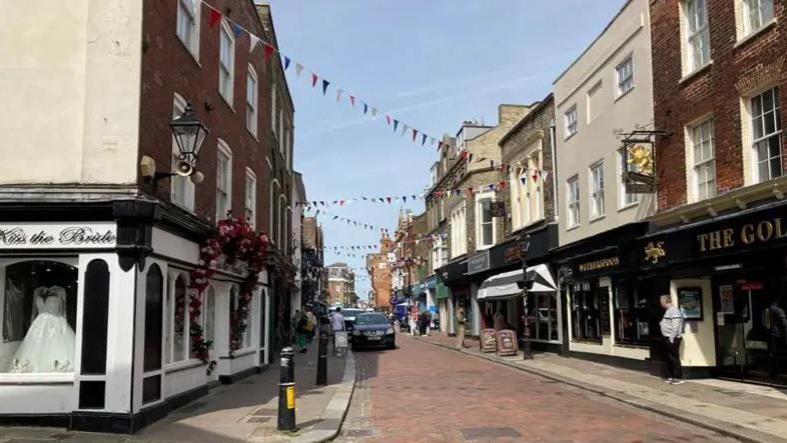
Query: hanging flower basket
[235, 242]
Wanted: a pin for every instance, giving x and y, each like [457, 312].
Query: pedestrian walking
[778, 323]
[460, 326]
[672, 330]
[412, 321]
[338, 327]
[301, 333]
[423, 323]
[311, 327]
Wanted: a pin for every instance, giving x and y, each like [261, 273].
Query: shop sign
[595, 265]
[762, 232]
[752, 286]
[506, 342]
[513, 254]
[58, 235]
[488, 340]
[478, 263]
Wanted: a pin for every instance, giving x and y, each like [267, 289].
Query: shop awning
[542, 278]
[501, 285]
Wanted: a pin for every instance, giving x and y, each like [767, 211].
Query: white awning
[501, 285]
[542, 279]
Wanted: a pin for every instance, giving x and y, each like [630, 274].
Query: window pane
[179, 321]
[39, 316]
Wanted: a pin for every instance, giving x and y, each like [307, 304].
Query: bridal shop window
[234, 304]
[177, 336]
[38, 314]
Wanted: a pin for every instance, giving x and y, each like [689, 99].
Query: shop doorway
[751, 328]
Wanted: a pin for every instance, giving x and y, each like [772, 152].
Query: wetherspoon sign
[58, 235]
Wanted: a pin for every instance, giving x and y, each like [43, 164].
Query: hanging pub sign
[58, 235]
[498, 209]
[639, 161]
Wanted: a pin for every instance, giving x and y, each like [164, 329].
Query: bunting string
[215, 16]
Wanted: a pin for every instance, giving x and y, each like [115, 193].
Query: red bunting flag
[215, 17]
[388, 119]
[268, 52]
[314, 79]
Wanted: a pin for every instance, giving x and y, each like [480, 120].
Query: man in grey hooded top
[672, 331]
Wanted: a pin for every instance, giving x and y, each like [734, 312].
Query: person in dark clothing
[423, 322]
[672, 330]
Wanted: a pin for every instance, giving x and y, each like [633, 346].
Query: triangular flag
[236, 29]
[374, 112]
[287, 61]
[325, 84]
[423, 139]
[314, 79]
[352, 100]
[298, 69]
[388, 119]
[268, 52]
[404, 129]
[339, 92]
[432, 141]
[365, 107]
[404, 198]
[415, 133]
[215, 17]
[396, 123]
[253, 40]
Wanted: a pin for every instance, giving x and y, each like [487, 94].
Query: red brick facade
[738, 71]
[169, 68]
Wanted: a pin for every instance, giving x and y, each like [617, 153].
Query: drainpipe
[552, 138]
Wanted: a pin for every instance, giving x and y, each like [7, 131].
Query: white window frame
[625, 80]
[697, 165]
[169, 323]
[250, 198]
[181, 188]
[187, 25]
[527, 199]
[573, 206]
[226, 194]
[458, 230]
[274, 110]
[596, 190]
[252, 94]
[226, 73]
[695, 36]
[570, 122]
[479, 223]
[282, 222]
[625, 199]
[755, 15]
[764, 137]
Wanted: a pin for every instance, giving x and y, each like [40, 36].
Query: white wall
[699, 345]
[628, 34]
[69, 78]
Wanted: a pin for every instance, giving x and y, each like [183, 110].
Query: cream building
[606, 91]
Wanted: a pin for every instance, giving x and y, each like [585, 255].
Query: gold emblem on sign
[642, 158]
[654, 251]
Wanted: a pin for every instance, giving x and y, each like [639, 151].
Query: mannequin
[49, 343]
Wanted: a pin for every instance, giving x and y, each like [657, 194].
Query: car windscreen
[371, 319]
[351, 312]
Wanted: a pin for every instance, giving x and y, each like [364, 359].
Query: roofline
[537, 106]
[606, 28]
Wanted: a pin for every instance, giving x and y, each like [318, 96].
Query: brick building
[100, 84]
[718, 87]
[379, 265]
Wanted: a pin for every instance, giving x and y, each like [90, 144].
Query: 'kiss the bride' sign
[57, 235]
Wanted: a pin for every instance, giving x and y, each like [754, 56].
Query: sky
[429, 63]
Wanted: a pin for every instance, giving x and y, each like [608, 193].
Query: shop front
[95, 306]
[728, 277]
[606, 318]
[454, 277]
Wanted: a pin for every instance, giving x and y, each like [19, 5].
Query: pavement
[242, 412]
[421, 392]
[738, 410]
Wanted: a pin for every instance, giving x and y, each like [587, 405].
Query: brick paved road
[422, 393]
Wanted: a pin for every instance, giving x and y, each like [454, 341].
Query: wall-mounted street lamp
[189, 134]
[525, 285]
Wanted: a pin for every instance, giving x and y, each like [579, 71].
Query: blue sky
[431, 64]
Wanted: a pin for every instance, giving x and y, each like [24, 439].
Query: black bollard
[287, 391]
[322, 361]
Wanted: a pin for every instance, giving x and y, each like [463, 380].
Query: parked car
[373, 330]
[350, 315]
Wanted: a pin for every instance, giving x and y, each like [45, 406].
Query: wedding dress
[48, 345]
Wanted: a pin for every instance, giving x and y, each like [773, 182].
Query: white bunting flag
[253, 40]
[339, 93]
[298, 69]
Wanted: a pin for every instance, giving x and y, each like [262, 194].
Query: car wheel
[392, 346]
